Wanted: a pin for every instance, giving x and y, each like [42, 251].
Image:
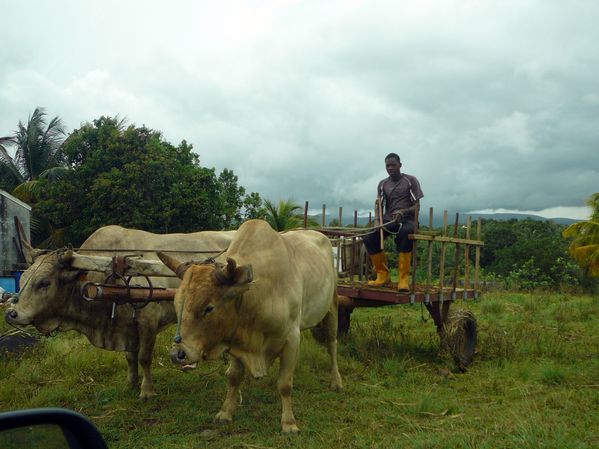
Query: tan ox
[50, 297]
[273, 286]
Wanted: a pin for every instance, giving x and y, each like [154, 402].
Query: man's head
[393, 165]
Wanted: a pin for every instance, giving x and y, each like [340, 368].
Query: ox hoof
[223, 418]
[336, 387]
[145, 395]
[290, 429]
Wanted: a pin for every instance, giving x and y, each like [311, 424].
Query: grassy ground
[534, 384]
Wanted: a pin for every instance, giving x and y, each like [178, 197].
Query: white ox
[50, 297]
[272, 287]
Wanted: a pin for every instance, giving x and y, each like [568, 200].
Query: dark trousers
[372, 241]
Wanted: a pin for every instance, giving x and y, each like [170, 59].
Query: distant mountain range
[438, 219]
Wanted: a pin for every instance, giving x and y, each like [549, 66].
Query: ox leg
[288, 358]
[132, 369]
[235, 375]
[146, 346]
[330, 325]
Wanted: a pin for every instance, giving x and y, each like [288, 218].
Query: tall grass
[533, 384]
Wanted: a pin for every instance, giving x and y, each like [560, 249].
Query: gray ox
[51, 301]
[272, 287]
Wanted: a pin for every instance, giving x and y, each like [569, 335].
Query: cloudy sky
[491, 104]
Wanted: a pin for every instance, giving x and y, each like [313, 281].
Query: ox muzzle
[178, 355]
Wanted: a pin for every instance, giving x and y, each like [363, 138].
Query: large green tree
[584, 246]
[131, 176]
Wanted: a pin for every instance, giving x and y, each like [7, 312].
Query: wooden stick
[430, 254]
[477, 258]
[415, 248]
[324, 215]
[382, 236]
[467, 255]
[306, 215]
[456, 263]
[341, 216]
[442, 259]
[355, 218]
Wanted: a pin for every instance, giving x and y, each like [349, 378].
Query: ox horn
[232, 274]
[30, 252]
[177, 267]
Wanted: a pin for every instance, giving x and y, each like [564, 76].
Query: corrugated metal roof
[16, 200]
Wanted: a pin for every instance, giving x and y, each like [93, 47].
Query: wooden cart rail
[353, 265]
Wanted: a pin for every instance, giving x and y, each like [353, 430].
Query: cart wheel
[459, 338]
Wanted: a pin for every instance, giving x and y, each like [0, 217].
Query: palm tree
[38, 154]
[584, 247]
[282, 217]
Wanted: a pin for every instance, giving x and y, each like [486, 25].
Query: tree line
[111, 172]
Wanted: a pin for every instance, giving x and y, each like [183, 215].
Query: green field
[534, 384]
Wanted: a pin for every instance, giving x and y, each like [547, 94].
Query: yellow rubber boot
[379, 260]
[405, 260]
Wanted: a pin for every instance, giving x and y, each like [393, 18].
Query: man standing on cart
[398, 197]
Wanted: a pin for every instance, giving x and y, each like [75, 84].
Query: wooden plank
[446, 239]
[363, 296]
[144, 267]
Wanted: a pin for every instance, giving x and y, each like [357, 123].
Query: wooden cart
[457, 329]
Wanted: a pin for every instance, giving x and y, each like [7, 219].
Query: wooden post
[415, 253]
[442, 259]
[339, 244]
[467, 258]
[324, 215]
[306, 215]
[430, 257]
[341, 216]
[380, 211]
[355, 218]
[477, 258]
[456, 264]
[370, 219]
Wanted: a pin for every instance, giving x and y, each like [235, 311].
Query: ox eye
[209, 308]
[44, 283]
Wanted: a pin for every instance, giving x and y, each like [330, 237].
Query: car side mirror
[49, 427]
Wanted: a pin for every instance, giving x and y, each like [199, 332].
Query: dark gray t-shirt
[399, 194]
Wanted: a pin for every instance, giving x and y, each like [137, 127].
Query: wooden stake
[477, 258]
[467, 256]
[430, 254]
[306, 215]
[442, 259]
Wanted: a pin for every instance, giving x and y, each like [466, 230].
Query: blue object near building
[9, 284]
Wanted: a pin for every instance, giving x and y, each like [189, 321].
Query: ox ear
[30, 252]
[177, 267]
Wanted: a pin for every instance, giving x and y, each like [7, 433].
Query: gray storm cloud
[490, 104]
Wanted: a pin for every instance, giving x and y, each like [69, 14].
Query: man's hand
[398, 215]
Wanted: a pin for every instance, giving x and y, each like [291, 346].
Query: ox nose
[178, 355]
[11, 315]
